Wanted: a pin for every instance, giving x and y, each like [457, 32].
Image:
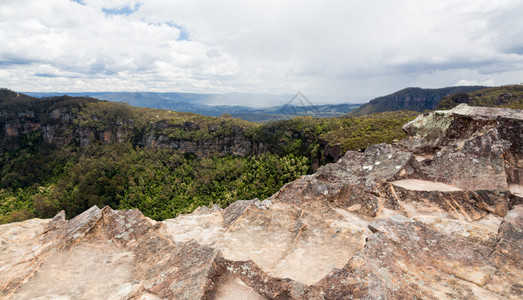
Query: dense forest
[66, 153]
[159, 182]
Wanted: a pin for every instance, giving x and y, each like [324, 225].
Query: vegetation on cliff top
[311, 136]
[414, 99]
[509, 96]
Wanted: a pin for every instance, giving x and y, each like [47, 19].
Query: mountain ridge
[412, 98]
[208, 104]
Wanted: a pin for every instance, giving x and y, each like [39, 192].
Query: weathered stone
[18, 242]
[125, 226]
[469, 205]
[234, 211]
[508, 255]
[510, 245]
[378, 162]
[473, 148]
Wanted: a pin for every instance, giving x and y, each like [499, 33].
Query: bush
[19, 215]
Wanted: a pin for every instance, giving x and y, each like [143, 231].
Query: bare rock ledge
[438, 215]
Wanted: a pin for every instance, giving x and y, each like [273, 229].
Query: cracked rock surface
[437, 216]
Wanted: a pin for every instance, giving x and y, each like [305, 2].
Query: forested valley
[70, 153]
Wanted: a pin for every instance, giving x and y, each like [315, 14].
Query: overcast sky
[350, 51]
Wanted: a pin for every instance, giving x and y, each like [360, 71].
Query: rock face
[437, 216]
[65, 121]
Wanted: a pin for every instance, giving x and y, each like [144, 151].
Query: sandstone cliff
[437, 216]
[66, 121]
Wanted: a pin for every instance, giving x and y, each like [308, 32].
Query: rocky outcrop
[436, 216]
[475, 148]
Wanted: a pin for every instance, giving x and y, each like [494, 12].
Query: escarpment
[438, 215]
[67, 121]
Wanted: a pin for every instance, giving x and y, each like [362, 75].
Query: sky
[330, 50]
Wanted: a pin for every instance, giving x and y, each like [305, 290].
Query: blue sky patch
[15, 61]
[126, 10]
[184, 35]
[48, 75]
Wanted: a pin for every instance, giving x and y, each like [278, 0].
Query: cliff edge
[438, 215]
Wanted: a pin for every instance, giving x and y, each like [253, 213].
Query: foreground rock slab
[402, 221]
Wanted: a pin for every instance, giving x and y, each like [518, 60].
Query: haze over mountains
[246, 106]
[240, 105]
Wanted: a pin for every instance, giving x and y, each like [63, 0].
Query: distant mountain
[286, 112]
[182, 102]
[510, 96]
[205, 104]
[414, 99]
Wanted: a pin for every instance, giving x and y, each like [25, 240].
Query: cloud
[345, 50]
[474, 82]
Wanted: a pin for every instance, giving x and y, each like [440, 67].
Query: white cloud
[474, 82]
[349, 50]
